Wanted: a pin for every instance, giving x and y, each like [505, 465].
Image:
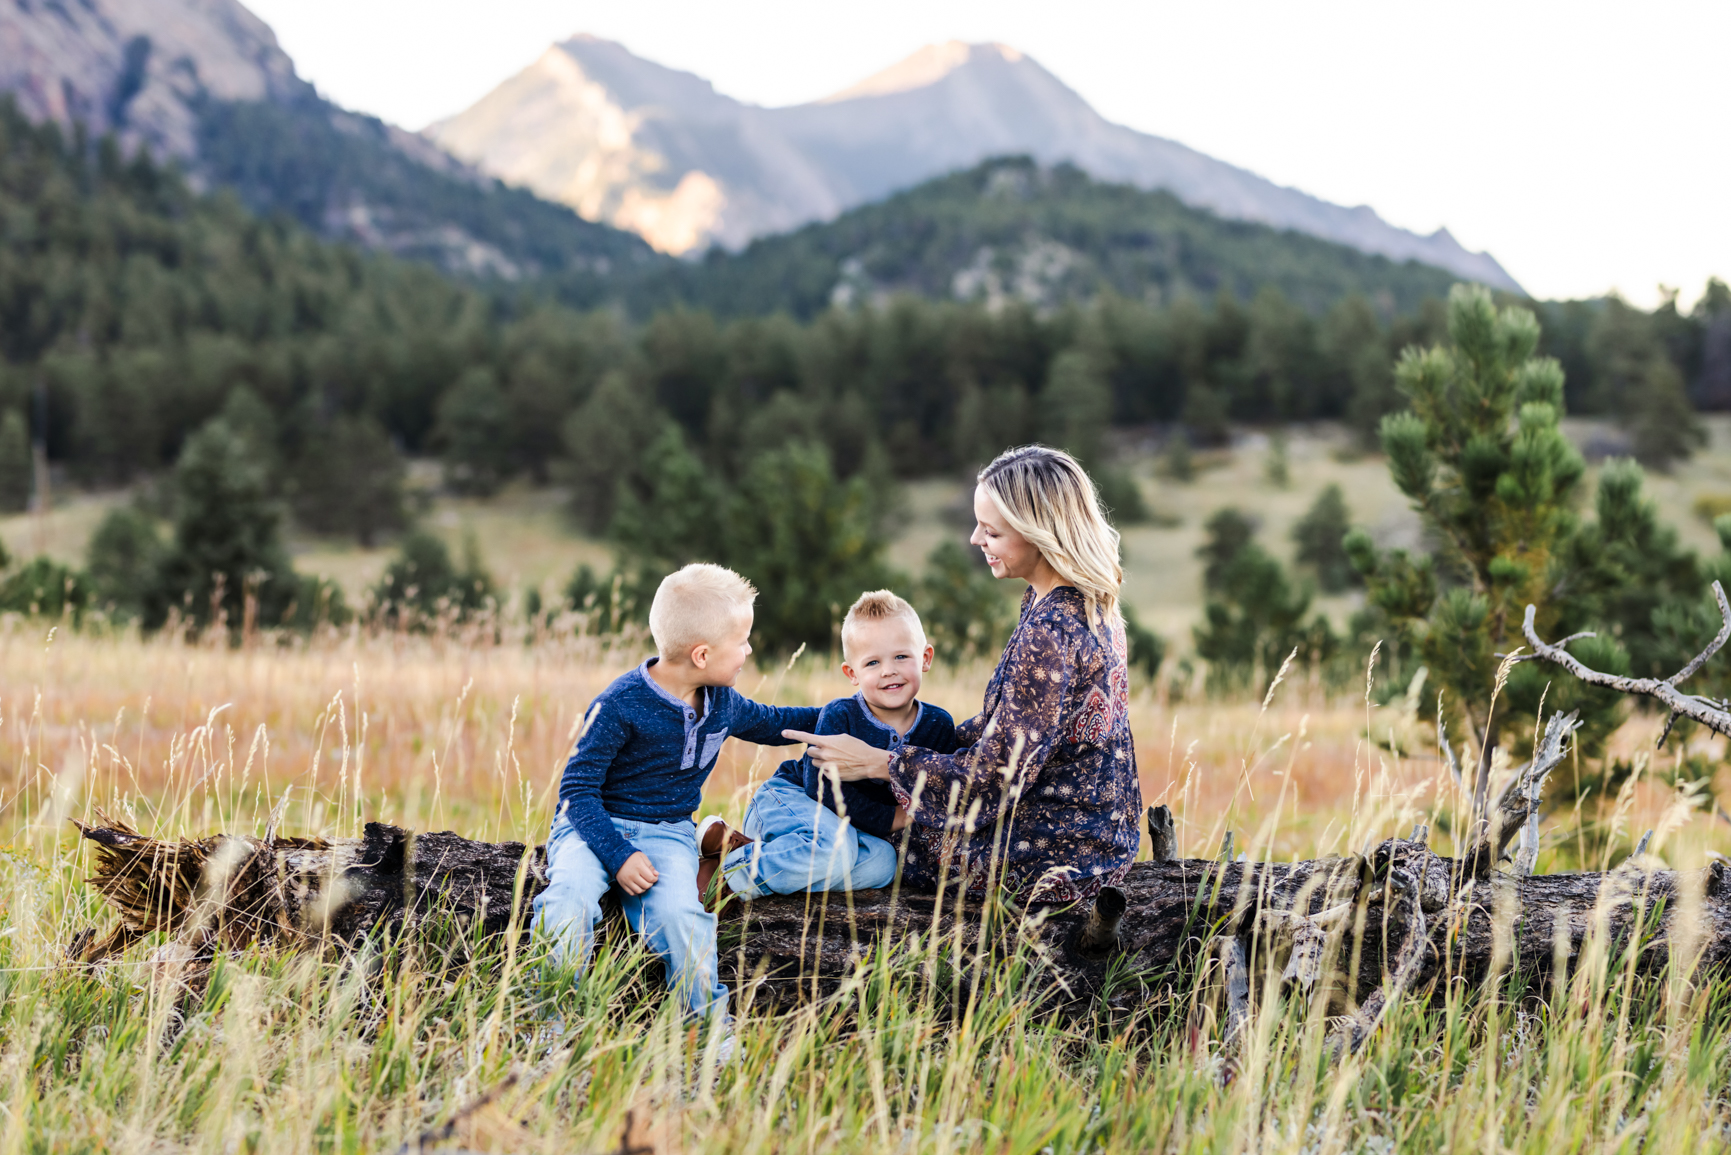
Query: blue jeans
[802, 845]
[669, 914]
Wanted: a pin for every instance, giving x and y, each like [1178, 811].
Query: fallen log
[1372, 929]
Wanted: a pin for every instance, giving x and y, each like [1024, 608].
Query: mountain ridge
[205, 83]
[1010, 230]
[688, 166]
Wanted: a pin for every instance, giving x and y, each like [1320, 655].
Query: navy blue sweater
[644, 755]
[870, 804]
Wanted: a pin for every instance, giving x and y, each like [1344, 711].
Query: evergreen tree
[604, 601]
[43, 587]
[16, 463]
[124, 560]
[226, 541]
[349, 480]
[671, 513]
[606, 439]
[475, 433]
[810, 542]
[1147, 648]
[967, 612]
[1482, 458]
[1253, 615]
[1321, 536]
[1663, 427]
[1228, 533]
[423, 584]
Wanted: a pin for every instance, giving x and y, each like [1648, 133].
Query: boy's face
[885, 659]
[720, 661]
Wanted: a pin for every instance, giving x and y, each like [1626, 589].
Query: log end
[1162, 833]
[1099, 934]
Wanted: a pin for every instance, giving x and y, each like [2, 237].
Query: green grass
[277, 1052]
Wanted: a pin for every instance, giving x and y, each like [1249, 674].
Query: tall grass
[281, 1052]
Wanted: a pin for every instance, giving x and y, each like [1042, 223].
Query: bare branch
[1521, 801]
[1723, 636]
[1708, 713]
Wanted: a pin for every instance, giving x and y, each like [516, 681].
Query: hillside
[662, 153]
[1012, 229]
[204, 83]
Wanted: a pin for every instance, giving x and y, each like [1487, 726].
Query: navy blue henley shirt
[644, 755]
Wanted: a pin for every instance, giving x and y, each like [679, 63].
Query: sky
[1587, 146]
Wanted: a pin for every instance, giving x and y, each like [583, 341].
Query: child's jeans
[802, 845]
[669, 914]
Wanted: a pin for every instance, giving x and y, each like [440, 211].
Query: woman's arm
[847, 757]
[1028, 723]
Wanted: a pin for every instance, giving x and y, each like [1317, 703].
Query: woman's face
[1008, 553]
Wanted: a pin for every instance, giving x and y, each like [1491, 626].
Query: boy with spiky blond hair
[628, 792]
[799, 835]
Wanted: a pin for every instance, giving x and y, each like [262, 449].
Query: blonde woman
[1043, 796]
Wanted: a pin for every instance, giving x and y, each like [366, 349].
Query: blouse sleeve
[967, 733]
[1023, 730]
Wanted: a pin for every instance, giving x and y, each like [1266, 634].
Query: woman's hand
[843, 755]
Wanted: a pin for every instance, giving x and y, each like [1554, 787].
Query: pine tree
[349, 480]
[227, 543]
[123, 561]
[422, 583]
[606, 439]
[1321, 535]
[1253, 615]
[1481, 456]
[15, 462]
[966, 611]
[475, 432]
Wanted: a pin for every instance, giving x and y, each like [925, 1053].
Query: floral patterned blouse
[1043, 796]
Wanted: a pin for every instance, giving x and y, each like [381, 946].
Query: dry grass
[301, 1054]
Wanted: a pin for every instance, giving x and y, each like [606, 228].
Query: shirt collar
[865, 708]
[680, 704]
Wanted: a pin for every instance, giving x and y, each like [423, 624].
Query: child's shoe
[715, 841]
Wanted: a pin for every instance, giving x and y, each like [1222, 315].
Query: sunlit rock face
[660, 152]
[640, 146]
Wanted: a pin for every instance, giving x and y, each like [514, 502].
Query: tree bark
[1371, 928]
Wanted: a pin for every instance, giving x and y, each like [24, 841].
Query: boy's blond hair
[697, 604]
[877, 606]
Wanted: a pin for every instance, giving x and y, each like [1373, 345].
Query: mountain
[204, 82]
[641, 147]
[662, 153]
[1011, 229]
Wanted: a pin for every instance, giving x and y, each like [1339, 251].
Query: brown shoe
[716, 839]
[711, 886]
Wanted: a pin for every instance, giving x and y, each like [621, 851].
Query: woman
[1043, 797]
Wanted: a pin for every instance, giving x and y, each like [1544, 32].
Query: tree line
[147, 331]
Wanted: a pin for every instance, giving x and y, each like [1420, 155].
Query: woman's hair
[1049, 499]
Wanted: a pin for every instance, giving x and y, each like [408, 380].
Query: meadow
[466, 731]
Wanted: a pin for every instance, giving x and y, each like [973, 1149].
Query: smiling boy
[626, 798]
[799, 835]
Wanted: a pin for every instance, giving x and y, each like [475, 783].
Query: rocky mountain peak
[135, 67]
[925, 67]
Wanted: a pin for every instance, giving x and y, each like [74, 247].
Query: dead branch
[1711, 714]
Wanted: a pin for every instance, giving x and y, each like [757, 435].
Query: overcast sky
[1586, 145]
